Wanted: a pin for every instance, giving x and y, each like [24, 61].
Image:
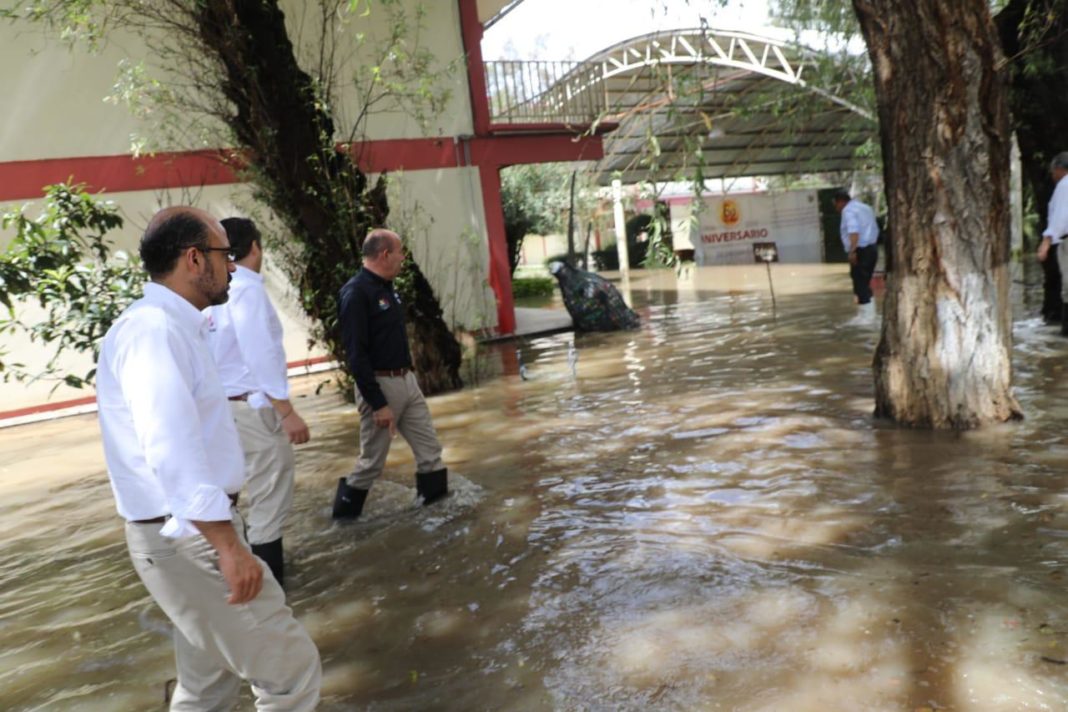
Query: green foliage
[833, 18]
[533, 287]
[63, 261]
[534, 198]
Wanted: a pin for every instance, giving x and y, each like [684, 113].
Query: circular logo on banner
[729, 213]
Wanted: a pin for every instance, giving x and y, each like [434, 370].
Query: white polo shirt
[170, 441]
[859, 218]
[1057, 216]
[245, 336]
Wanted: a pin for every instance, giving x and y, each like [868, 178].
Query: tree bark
[317, 190]
[944, 356]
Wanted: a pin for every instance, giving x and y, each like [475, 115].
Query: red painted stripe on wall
[114, 174]
[20, 180]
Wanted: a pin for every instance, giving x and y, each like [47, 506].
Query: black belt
[165, 517]
[242, 397]
[393, 372]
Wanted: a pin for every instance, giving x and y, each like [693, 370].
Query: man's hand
[853, 257]
[243, 573]
[295, 428]
[384, 419]
[1043, 249]
[239, 567]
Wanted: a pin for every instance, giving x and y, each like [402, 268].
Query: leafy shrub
[533, 287]
[63, 261]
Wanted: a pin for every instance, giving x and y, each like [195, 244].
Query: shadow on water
[703, 516]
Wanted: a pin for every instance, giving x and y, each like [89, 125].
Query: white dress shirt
[1057, 217]
[859, 218]
[246, 340]
[170, 441]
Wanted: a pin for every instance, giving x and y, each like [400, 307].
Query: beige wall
[55, 106]
[439, 214]
[58, 111]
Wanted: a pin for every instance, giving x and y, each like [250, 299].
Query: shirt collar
[377, 278]
[245, 273]
[179, 306]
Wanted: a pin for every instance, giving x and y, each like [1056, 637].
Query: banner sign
[732, 225]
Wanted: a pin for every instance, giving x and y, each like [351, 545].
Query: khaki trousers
[217, 644]
[269, 469]
[412, 416]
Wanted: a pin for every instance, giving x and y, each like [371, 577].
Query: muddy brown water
[704, 516]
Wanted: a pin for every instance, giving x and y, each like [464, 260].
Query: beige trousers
[217, 644]
[412, 416]
[269, 468]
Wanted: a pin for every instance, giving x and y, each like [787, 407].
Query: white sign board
[729, 225]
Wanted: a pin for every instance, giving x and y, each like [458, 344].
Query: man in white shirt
[860, 237]
[175, 465]
[246, 340]
[1055, 236]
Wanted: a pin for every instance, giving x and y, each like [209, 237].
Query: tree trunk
[1034, 38]
[316, 190]
[944, 358]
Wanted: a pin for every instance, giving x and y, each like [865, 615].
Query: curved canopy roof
[720, 105]
[710, 103]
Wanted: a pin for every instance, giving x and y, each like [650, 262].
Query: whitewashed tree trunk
[944, 357]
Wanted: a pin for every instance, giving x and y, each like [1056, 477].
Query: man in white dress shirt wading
[176, 466]
[860, 238]
[1055, 236]
[246, 339]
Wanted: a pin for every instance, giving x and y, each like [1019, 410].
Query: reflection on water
[704, 517]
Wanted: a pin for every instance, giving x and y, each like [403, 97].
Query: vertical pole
[471, 33]
[571, 223]
[500, 269]
[1015, 198]
[621, 228]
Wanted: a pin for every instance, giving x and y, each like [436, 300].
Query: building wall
[56, 109]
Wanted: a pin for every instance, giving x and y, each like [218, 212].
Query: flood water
[704, 516]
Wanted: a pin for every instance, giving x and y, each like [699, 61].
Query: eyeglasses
[229, 254]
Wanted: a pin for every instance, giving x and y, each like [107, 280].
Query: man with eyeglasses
[176, 466]
[246, 340]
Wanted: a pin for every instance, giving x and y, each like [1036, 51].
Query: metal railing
[538, 92]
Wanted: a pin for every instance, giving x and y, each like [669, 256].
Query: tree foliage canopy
[535, 201]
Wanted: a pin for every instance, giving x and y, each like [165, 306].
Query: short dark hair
[242, 233]
[165, 241]
[376, 242]
[841, 194]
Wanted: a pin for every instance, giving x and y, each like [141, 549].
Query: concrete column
[621, 228]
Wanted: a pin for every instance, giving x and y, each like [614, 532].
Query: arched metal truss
[706, 102]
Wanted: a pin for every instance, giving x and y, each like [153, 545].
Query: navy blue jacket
[372, 329]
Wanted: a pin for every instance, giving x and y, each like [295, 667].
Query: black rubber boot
[1064, 319]
[432, 486]
[349, 501]
[271, 553]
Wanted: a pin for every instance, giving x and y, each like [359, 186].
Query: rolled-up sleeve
[157, 376]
